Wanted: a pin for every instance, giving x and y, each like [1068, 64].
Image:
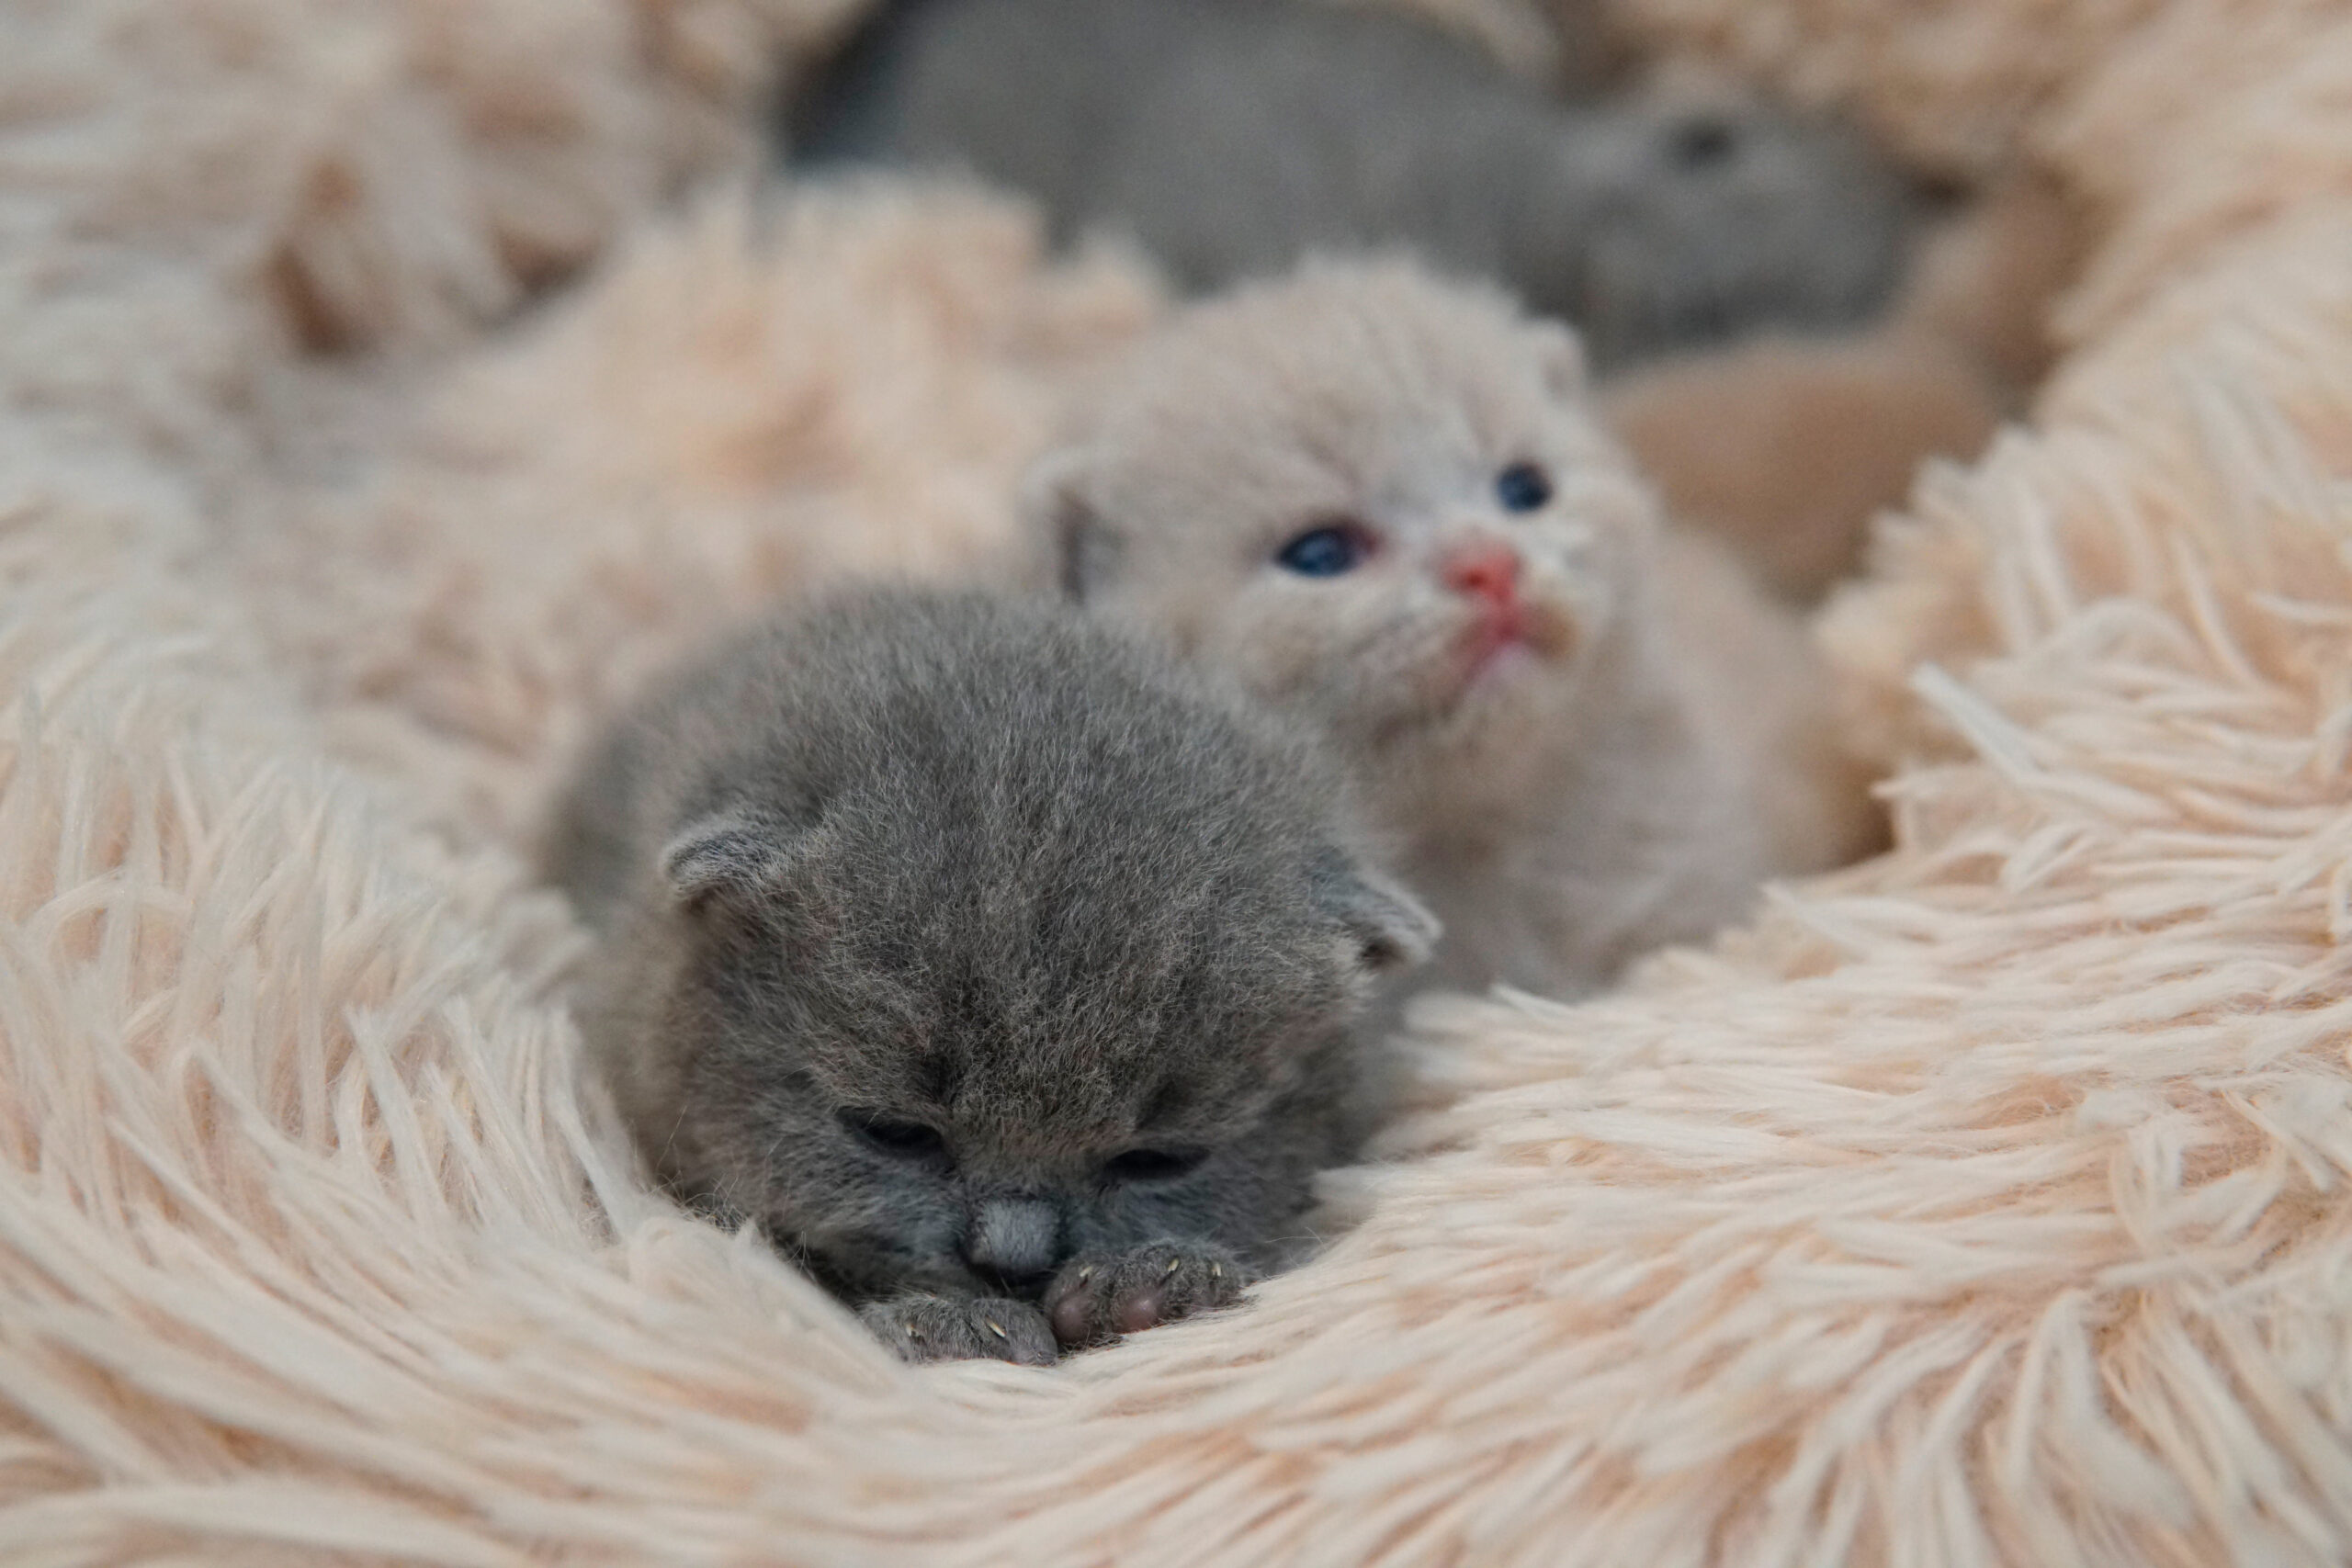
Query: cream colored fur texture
[1787, 447]
[1387, 504]
[1984, 1205]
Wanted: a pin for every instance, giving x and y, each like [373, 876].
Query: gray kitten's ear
[1390, 928]
[1055, 505]
[1560, 355]
[731, 856]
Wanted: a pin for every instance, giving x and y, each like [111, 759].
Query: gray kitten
[1001, 969]
[1230, 137]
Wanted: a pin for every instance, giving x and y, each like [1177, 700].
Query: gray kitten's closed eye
[901, 1139]
[1003, 971]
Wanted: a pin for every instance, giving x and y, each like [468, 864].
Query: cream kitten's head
[1377, 498]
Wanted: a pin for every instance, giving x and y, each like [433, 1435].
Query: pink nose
[1488, 570]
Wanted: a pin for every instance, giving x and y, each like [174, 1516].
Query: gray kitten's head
[995, 938]
[1684, 217]
[1376, 498]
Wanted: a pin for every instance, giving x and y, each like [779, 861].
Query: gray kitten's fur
[1232, 136]
[1585, 733]
[1000, 968]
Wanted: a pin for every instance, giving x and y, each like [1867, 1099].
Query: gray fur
[936, 861]
[1230, 137]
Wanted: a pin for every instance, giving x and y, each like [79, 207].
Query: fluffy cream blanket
[1985, 1204]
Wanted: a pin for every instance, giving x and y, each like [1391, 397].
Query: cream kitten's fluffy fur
[1387, 504]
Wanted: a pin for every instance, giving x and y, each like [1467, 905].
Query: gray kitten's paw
[1096, 1299]
[962, 1328]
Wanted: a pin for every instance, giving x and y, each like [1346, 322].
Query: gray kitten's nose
[1016, 1237]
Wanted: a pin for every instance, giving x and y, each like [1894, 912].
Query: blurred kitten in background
[1232, 137]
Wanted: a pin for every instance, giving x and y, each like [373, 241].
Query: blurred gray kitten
[1002, 969]
[1231, 137]
[1385, 503]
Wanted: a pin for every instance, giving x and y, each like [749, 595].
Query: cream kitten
[1387, 504]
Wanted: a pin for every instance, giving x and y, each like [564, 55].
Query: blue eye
[1522, 487]
[1325, 552]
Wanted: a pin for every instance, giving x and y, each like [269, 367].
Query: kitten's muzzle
[1486, 570]
[1018, 1240]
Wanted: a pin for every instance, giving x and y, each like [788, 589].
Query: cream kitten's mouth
[1512, 635]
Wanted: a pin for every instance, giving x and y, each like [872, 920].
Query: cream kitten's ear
[1391, 929]
[1054, 504]
[1560, 354]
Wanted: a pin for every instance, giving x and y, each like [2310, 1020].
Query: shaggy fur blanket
[1986, 1203]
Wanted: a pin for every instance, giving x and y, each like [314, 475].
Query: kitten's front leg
[962, 1328]
[1096, 1299]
